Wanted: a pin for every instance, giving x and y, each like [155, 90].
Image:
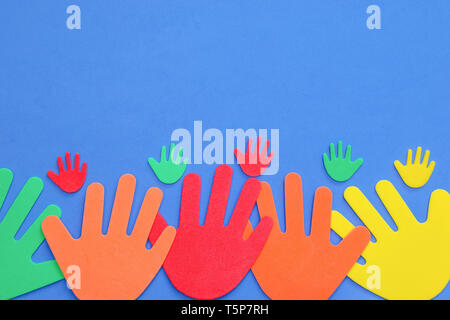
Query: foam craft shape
[293, 266]
[208, 261]
[411, 263]
[417, 174]
[168, 171]
[339, 168]
[18, 273]
[115, 265]
[72, 179]
[254, 163]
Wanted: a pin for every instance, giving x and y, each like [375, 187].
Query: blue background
[116, 89]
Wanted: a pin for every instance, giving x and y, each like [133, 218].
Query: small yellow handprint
[417, 174]
[410, 263]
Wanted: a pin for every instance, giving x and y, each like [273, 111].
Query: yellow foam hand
[410, 263]
[417, 174]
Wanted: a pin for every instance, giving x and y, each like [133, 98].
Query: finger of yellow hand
[439, 209]
[430, 169]
[418, 155]
[367, 276]
[394, 204]
[367, 213]
[426, 158]
[409, 159]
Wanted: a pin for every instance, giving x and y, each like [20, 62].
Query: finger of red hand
[321, 219]
[219, 195]
[53, 176]
[61, 165]
[258, 238]
[245, 204]
[84, 171]
[77, 162]
[239, 156]
[190, 200]
[159, 225]
[68, 162]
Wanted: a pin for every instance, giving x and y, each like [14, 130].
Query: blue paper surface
[137, 70]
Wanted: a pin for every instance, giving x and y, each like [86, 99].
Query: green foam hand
[339, 168]
[18, 273]
[169, 171]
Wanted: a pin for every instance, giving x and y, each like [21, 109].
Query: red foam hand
[208, 261]
[72, 179]
[253, 163]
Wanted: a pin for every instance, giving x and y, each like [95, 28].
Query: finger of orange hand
[58, 239]
[293, 197]
[266, 207]
[147, 215]
[93, 211]
[122, 205]
[352, 246]
[258, 238]
[321, 219]
[158, 253]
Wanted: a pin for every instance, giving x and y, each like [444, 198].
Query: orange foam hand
[115, 265]
[295, 266]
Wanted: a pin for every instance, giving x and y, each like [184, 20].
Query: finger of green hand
[179, 157]
[357, 164]
[340, 151]
[6, 177]
[22, 206]
[153, 164]
[326, 160]
[332, 151]
[163, 154]
[45, 273]
[348, 152]
[34, 237]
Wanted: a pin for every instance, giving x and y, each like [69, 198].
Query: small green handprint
[169, 171]
[18, 273]
[340, 168]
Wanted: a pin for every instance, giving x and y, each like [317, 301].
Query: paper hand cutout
[72, 179]
[208, 261]
[411, 263]
[253, 163]
[295, 266]
[115, 265]
[339, 168]
[168, 171]
[18, 273]
[415, 175]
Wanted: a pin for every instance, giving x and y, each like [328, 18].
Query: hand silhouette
[253, 163]
[293, 266]
[115, 265]
[168, 171]
[18, 273]
[411, 263]
[339, 168]
[72, 179]
[415, 175]
[208, 261]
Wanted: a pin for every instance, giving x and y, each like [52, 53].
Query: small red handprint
[253, 163]
[72, 179]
